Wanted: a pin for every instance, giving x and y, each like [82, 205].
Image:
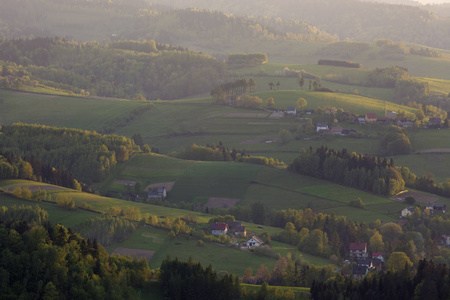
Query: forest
[44, 261]
[430, 282]
[88, 156]
[121, 70]
[362, 21]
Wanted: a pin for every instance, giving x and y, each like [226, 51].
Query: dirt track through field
[167, 185]
[433, 151]
[139, 253]
[419, 197]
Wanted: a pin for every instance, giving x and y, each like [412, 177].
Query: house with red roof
[358, 250]
[219, 228]
[371, 118]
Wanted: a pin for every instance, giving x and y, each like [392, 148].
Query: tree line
[109, 71]
[350, 169]
[87, 155]
[430, 282]
[220, 152]
[51, 262]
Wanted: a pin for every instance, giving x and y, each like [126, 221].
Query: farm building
[437, 207]
[253, 242]
[391, 114]
[237, 228]
[371, 118]
[378, 255]
[358, 250]
[321, 127]
[434, 122]
[157, 193]
[219, 228]
[336, 130]
[407, 211]
[291, 110]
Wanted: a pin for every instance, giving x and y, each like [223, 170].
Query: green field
[61, 111]
[276, 188]
[220, 257]
[56, 214]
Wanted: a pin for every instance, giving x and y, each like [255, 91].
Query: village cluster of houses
[432, 207]
[238, 230]
[364, 263]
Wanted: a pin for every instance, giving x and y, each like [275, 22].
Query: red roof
[371, 116]
[358, 246]
[219, 226]
[376, 254]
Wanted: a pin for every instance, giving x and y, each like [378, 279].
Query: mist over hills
[361, 21]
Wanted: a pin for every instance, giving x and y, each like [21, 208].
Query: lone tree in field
[251, 84]
[270, 102]
[301, 81]
[271, 85]
[301, 102]
[278, 85]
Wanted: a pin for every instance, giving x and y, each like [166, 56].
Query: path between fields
[444, 150]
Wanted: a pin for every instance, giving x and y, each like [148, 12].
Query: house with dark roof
[434, 122]
[377, 264]
[366, 262]
[237, 228]
[157, 193]
[291, 110]
[358, 250]
[219, 228]
[437, 207]
[321, 127]
[359, 272]
[240, 231]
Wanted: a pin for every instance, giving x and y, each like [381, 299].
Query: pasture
[219, 256]
[276, 188]
[62, 111]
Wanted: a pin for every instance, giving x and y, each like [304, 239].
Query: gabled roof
[358, 246]
[234, 224]
[410, 208]
[240, 229]
[322, 125]
[376, 262]
[256, 239]
[376, 254]
[219, 226]
[364, 262]
[371, 116]
[291, 108]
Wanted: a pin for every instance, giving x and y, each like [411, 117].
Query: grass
[421, 164]
[56, 214]
[354, 103]
[61, 111]
[220, 257]
[276, 188]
